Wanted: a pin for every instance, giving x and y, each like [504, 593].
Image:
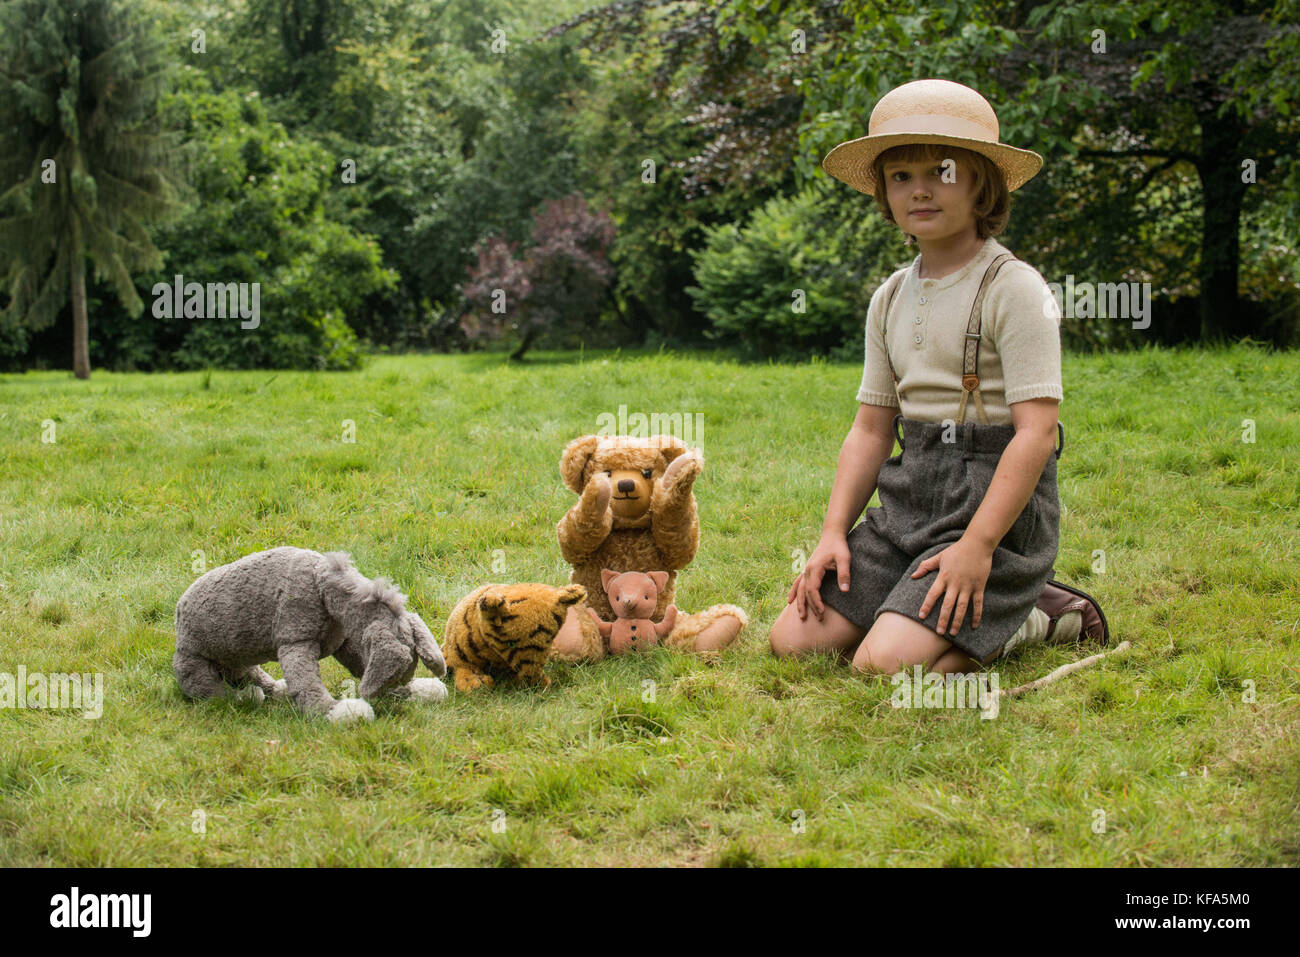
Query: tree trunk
[529, 336]
[80, 330]
[1219, 166]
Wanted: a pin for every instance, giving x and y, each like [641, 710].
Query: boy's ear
[574, 460]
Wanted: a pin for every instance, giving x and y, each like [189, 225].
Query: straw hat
[930, 111]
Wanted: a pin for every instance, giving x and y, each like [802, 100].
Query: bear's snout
[626, 485]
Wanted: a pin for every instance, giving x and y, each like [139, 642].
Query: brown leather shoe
[1058, 599]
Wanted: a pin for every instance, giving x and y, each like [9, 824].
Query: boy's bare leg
[896, 643]
[833, 632]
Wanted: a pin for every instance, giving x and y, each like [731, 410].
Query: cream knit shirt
[1020, 341]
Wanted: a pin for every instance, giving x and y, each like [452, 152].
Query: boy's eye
[899, 176]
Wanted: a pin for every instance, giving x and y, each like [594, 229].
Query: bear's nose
[626, 485]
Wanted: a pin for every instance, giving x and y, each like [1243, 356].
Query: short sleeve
[1025, 327]
[877, 386]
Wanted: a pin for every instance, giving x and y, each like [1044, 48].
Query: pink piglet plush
[633, 596]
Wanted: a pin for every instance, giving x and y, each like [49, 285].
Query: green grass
[455, 468]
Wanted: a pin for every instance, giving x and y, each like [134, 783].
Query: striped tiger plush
[501, 632]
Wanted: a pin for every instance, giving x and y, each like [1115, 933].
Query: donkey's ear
[388, 660]
[426, 648]
[573, 463]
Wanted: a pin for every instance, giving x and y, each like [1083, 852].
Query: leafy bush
[798, 276]
[259, 218]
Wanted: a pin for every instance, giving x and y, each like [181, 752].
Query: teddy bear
[505, 632]
[297, 606]
[633, 596]
[636, 511]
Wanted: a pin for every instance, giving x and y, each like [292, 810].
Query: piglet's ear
[660, 579]
[607, 575]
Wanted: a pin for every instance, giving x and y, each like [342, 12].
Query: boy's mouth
[925, 212]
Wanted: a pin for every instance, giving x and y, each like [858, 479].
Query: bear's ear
[574, 460]
[669, 446]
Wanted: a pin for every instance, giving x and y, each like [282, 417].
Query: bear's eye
[609, 472]
[647, 472]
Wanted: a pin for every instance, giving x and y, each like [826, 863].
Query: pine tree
[85, 166]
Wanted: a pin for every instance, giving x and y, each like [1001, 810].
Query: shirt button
[918, 320]
[923, 300]
[918, 339]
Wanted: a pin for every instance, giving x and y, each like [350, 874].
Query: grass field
[1183, 752]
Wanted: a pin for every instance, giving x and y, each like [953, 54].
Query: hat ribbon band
[936, 123]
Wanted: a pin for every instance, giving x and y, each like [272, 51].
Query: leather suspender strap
[970, 380]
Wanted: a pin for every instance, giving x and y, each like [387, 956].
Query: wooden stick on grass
[1062, 671]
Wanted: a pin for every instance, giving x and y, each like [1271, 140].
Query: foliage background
[459, 139]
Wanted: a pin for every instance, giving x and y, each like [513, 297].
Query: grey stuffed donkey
[298, 606]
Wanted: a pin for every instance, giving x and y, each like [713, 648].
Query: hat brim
[852, 161]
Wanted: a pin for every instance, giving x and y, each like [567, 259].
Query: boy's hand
[964, 568]
[831, 552]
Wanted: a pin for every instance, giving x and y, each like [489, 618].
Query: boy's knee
[780, 640]
[864, 664]
[883, 655]
[786, 637]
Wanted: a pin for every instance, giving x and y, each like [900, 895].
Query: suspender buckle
[970, 382]
[972, 335]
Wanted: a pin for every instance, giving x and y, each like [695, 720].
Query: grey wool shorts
[928, 495]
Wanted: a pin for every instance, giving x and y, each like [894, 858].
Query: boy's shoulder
[1018, 285]
[1017, 274]
[892, 282]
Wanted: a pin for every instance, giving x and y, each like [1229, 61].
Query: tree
[1201, 99]
[560, 282]
[1146, 115]
[88, 160]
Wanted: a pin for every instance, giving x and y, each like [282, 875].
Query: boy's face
[933, 199]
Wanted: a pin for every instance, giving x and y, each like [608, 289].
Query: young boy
[954, 568]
